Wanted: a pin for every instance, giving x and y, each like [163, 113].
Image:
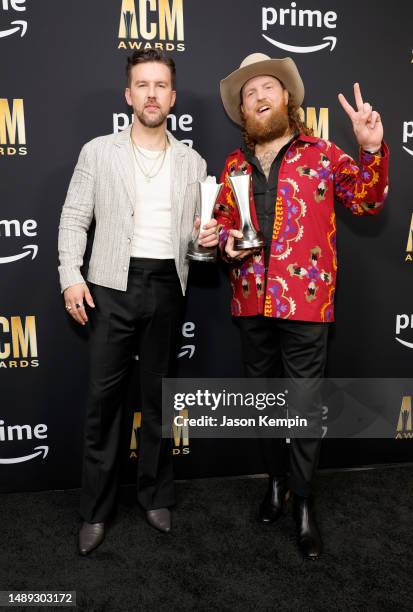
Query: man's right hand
[229, 247]
[73, 297]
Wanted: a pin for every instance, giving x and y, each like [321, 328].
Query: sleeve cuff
[367, 157]
[69, 277]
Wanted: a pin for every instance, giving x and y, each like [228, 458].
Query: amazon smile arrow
[40, 450]
[30, 248]
[18, 24]
[331, 40]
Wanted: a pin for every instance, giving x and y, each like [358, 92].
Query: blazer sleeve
[75, 220]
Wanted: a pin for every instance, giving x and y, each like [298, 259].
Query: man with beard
[283, 294]
[141, 187]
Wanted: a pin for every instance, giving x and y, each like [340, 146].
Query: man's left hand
[367, 124]
[208, 236]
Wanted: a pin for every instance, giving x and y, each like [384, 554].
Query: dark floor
[218, 557]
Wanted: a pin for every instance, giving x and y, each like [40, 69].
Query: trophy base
[253, 241]
[200, 253]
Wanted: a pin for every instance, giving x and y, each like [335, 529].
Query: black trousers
[146, 316]
[278, 348]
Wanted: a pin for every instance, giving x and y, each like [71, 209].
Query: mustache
[263, 103]
[273, 127]
[151, 103]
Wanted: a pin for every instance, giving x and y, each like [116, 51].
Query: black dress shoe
[90, 536]
[160, 519]
[274, 503]
[308, 536]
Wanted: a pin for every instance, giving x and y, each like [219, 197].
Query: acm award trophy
[210, 191]
[251, 238]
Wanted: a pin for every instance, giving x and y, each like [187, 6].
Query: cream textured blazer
[103, 187]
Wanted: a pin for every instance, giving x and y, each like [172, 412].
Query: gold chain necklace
[147, 174]
[140, 151]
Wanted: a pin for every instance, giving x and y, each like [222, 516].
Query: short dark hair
[150, 55]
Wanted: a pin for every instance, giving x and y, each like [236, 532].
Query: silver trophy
[210, 191]
[251, 238]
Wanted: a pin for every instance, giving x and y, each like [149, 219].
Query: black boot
[308, 536]
[274, 504]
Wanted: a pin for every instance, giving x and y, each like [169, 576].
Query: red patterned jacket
[302, 269]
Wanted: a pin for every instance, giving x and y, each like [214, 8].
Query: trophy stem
[251, 237]
[210, 191]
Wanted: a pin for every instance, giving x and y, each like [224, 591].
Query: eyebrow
[156, 82]
[248, 89]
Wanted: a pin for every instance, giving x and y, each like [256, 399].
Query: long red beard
[274, 126]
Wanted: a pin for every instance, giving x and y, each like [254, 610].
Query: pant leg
[304, 354]
[159, 335]
[112, 331]
[261, 355]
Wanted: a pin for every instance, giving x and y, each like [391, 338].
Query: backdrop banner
[62, 83]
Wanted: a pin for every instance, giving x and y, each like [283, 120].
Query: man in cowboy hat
[283, 294]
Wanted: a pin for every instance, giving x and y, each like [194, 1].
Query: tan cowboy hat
[254, 65]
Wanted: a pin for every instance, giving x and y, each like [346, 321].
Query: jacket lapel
[124, 163]
[179, 171]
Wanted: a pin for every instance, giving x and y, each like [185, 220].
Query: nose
[262, 95]
[151, 91]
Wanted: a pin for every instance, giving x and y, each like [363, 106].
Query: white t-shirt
[152, 232]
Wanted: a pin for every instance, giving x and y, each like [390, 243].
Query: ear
[128, 96]
[173, 98]
[286, 96]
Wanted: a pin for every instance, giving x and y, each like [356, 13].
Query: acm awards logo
[317, 121]
[404, 424]
[409, 245]
[19, 26]
[22, 433]
[152, 24]
[12, 127]
[15, 229]
[278, 19]
[180, 436]
[18, 342]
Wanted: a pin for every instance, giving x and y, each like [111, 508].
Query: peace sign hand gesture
[367, 124]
